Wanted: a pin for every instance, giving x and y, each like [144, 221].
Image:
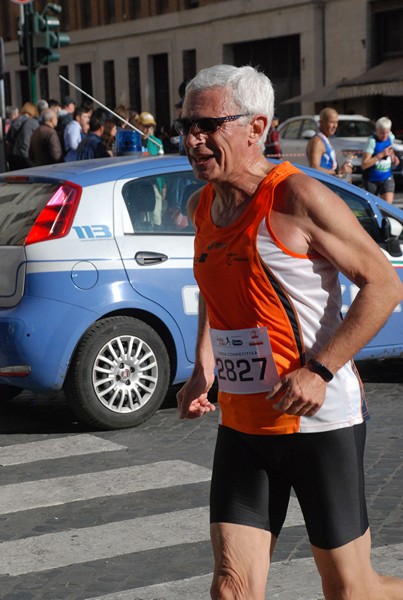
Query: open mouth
[201, 160]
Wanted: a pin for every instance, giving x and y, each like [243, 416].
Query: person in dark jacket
[45, 147]
[92, 146]
[19, 137]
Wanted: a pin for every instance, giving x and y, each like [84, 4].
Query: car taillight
[56, 218]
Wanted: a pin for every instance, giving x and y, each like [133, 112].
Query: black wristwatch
[317, 367]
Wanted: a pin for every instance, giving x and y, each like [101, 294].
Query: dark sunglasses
[204, 124]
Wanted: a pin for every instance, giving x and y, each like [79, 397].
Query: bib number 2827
[244, 360]
[240, 369]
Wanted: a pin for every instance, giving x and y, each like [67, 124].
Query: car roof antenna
[159, 144]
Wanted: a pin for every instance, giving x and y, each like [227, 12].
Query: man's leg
[347, 573]
[242, 558]
[248, 505]
[329, 482]
[388, 197]
[387, 190]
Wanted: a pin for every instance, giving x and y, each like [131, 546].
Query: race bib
[244, 360]
[384, 165]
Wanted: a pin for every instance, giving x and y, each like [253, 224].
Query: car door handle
[150, 258]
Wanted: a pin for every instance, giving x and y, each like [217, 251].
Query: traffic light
[24, 44]
[46, 38]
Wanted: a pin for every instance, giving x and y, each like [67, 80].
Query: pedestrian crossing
[59, 550]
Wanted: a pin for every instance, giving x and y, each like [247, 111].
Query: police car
[97, 295]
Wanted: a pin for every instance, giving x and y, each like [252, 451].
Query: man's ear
[258, 125]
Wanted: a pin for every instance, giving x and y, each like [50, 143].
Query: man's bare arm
[193, 396]
[326, 225]
[315, 151]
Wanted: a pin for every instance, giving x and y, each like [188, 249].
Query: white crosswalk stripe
[51, 551]
[305, 584]
[55, 448]
[74, 546]
[61, 490]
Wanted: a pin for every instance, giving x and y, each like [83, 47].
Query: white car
[349, 141]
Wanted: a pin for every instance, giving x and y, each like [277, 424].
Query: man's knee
[227, 586]
[339, 590]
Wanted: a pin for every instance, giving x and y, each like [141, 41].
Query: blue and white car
[97, 295]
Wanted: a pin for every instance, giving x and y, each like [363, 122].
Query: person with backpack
[19, 137]
[92, 146]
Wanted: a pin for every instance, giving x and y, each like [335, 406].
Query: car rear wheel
[119, 374]
[9, 392]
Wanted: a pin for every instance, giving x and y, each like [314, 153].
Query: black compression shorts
[253, 476]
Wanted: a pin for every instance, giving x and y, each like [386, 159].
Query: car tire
[119, 375]
[9, 392]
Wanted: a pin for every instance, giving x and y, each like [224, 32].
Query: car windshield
[354, 128]
[20, 205]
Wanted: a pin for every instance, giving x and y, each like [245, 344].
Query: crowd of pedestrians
[52, 132]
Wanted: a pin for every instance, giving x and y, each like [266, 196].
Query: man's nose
[195, 136]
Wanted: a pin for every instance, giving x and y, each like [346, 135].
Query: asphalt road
[398, 200]
[122, 515]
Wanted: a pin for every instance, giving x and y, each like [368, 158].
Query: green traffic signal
[46, 38]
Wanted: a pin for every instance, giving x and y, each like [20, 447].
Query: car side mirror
[308, 134]
[391, 229]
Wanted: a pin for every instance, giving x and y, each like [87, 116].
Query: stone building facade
[344, 53]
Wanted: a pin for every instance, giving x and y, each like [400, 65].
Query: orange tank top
[251, 282]
[239, 295]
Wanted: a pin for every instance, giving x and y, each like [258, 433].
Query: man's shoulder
[72, 125]
[297, 188]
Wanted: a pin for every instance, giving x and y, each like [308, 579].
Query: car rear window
[20, 205]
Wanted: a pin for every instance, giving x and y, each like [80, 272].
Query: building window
[86, 13]
[133, 9]
[160, 76]
[65, 16]
[191, 3]
[189, 64]
[109, 83]
[7, 89]
[162, 6]
[64, 87]
[388, 27]
[109, 11]
[23, 87]
[278, 58]
[43, 83]
[133, 65]
[85, 76]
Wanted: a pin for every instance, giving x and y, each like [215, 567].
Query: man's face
[84, 120]
[215, 156]
[146, 129]
[382, 134]
[328, 125]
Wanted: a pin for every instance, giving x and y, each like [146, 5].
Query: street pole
[2, 108]
[26, 10]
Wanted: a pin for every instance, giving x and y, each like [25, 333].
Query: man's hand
[192, 397]
[299, 393]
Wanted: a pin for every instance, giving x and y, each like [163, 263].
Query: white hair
[47, 115]
[250, 90]
[383, 124]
